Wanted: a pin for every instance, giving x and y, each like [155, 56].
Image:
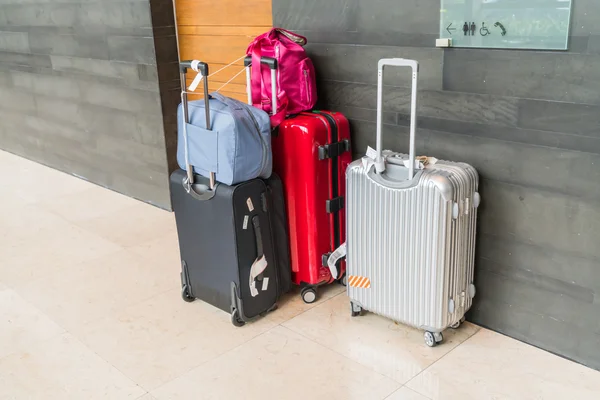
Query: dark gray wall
[528, 121]
[80, 89]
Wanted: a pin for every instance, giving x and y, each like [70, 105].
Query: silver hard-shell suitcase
[411, 232]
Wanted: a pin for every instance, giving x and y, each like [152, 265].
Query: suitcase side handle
[258, 236]
[260, 263]
[397, 62]
[272, 63]
[202, 69]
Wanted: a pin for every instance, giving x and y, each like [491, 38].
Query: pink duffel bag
[296, 85]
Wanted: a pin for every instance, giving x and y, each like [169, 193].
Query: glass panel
[509, 24]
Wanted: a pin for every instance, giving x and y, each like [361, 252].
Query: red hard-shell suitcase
[310, 153]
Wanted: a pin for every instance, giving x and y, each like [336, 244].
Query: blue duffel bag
[237, 145]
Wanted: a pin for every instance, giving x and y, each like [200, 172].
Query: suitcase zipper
[306, 88]
[334, 181]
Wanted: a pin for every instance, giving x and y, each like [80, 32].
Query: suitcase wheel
[344, 280]
[432, 339]
[355, 310]
[309, 295]
[236, 320]
[185, 294]
[458, 324]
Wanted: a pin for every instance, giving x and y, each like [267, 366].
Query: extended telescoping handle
[272, 63]
[414, 65]
[202, 69]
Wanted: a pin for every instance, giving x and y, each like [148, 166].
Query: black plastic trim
[185, 277]
[333, 206]
[324, 259]
[333, 150]
[202, 67]
[271, 62]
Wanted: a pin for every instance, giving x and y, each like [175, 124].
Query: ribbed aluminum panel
[418, 258]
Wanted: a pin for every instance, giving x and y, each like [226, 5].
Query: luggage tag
[421, 162]
[418, 164]
[371, 153]
[258, 267]
[339, 253]
[198, 78]
[195, 83]
[427, 160]
[368, 161]
[265, 284]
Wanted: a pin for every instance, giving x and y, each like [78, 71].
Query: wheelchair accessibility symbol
[484, 31]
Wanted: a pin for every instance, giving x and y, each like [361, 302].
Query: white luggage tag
[265, 284]
[418, 164]
[339, 253]
[197, 79]
[371, 153]
[367, 164]
[370, 160]
[424, 161]
[195, 83]
[421, 162]
[258, 268]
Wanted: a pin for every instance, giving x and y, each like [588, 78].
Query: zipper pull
[306, 84]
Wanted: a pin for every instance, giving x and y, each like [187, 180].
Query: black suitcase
[226, 230]
[221, 235]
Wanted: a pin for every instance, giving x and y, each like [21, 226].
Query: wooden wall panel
[218, 32]
[213, 49]
[248, 31]
[224, 12]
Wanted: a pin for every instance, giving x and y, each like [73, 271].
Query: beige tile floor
[90, 308]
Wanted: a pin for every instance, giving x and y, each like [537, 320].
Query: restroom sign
[508, 24]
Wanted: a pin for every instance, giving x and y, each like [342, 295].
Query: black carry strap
[334, 150]
[260, 264]
[258, 236]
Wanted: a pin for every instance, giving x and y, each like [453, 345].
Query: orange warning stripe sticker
[359, 281]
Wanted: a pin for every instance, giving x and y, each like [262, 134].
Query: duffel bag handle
[202, 69]
[232, 104]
